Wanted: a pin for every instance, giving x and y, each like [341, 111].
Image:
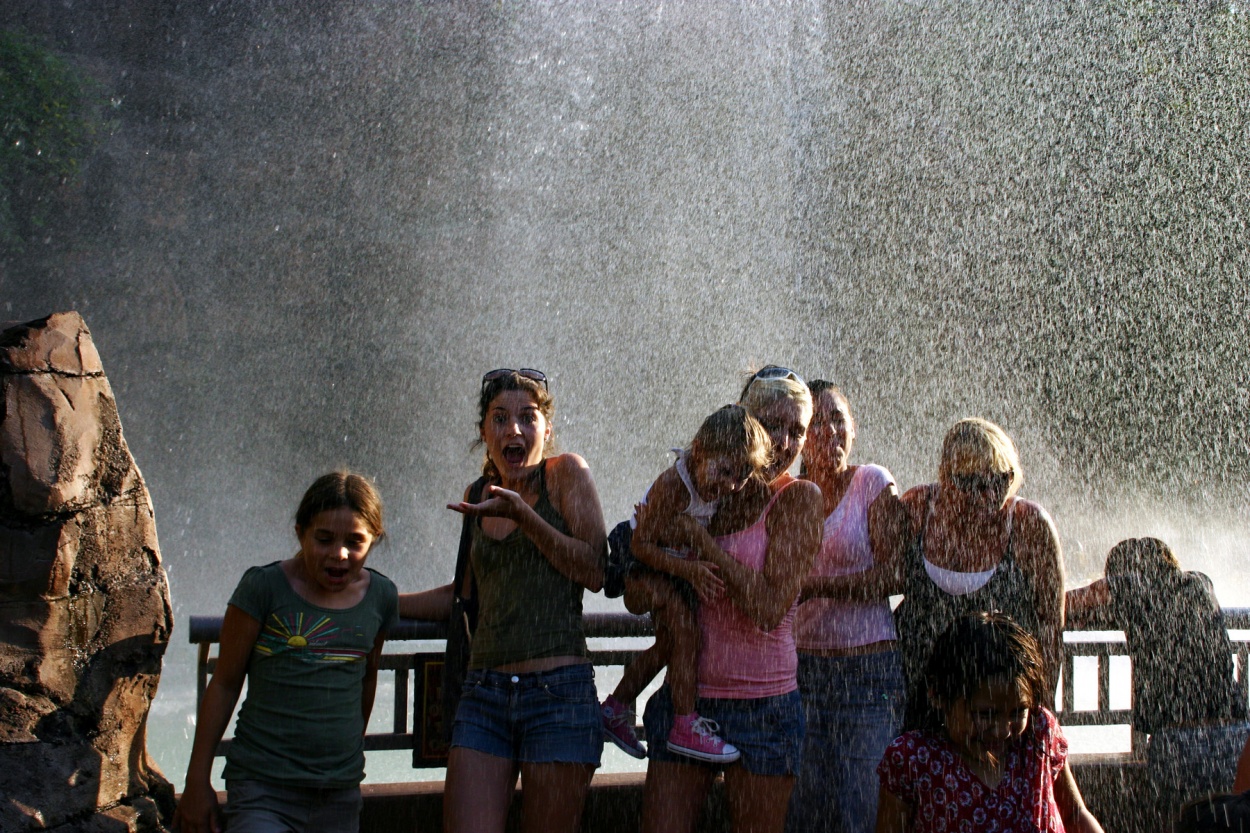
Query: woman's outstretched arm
[581, 555]
[433, 604]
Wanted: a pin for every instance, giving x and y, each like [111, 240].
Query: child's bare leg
[643, 669]
[645, 592]
[676, 618]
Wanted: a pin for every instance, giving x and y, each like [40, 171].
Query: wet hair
[978, 446]
[760, 393]
[817, 387]
[979, 649]
[514, 381]
[730, 430]
[1148, 557]
[336, 490]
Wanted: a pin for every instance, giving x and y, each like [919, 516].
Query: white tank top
[845, 549]
[956, 583]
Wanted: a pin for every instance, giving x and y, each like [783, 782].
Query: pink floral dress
[926, 773]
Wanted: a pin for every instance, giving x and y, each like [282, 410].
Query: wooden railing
[423, 732]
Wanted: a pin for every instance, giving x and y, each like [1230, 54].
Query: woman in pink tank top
[766, 539]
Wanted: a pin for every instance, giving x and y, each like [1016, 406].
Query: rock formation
[84, 603]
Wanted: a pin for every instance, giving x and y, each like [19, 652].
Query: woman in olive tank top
[529, 704]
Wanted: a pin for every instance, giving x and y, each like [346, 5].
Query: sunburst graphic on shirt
[308, 636]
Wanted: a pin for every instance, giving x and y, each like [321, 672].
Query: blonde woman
[977, 548]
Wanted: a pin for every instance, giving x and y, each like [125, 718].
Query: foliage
[46, 128]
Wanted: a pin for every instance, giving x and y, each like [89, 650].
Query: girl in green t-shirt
[306, 633]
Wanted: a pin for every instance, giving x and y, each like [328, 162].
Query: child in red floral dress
[998, 761]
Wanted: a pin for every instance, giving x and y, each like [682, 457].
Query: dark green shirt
[527, 609]
[301, 722]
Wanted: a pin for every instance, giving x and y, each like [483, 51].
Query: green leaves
[46, 129]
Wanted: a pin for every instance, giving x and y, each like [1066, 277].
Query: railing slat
[205, 630]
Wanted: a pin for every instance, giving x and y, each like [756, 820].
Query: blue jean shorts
[544, 717]
[261, 807]
[768, 731]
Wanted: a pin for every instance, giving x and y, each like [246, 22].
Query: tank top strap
[543, 506]
[1009, 552]
[777, 494]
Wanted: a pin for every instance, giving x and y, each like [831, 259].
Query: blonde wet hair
[760, 393]
[978, 446]
[731, 430]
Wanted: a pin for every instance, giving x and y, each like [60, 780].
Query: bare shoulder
[800, 493]
[798, 499]
[566, 470]
[1032, 518]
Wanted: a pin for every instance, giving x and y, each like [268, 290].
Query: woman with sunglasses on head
[978, 548]
[765, 542]
[529, 704]
[850, 671]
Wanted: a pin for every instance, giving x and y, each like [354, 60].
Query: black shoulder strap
[463, 567]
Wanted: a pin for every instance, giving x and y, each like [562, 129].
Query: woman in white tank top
[850, 672]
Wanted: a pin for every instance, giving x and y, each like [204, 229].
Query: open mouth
[337, 574]
[514, 455]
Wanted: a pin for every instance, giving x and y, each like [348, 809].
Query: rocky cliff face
[84, 603]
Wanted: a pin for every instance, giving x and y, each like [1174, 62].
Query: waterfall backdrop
[306, 230]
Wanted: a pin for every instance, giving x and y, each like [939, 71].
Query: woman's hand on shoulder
[916, 501]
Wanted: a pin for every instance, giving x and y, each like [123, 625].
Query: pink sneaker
[696, 737]
[618, 727]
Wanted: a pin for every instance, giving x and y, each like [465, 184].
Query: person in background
[977, 548]
[529, 703]
[1185, 694]
[850, 672]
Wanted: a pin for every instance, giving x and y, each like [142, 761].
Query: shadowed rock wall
[84, 604]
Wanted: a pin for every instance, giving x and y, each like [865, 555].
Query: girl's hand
[641, 510]
[499, 503]
[198, 811]
[705, 582]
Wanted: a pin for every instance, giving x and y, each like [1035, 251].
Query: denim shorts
[261, 807]
[544, 717]
[768, 731]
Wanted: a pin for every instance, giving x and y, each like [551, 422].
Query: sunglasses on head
[980, 482]
[771, 371]
[527, 372]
